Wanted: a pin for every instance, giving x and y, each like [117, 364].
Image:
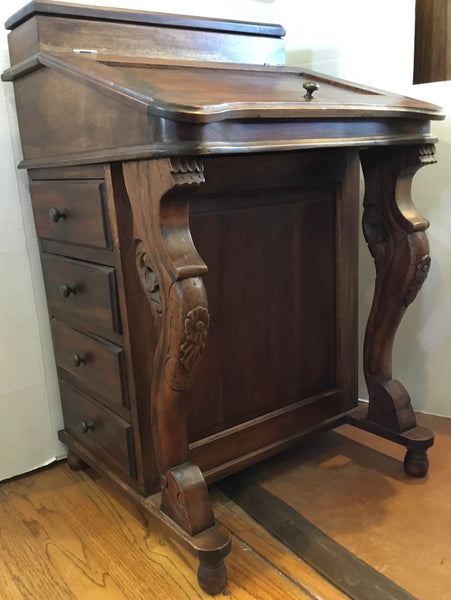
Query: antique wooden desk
[170, 157]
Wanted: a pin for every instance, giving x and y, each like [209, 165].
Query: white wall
[367, 42]
[338, 38]
[29, 401]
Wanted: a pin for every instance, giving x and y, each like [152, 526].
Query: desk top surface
[198, 92]
[127, 15]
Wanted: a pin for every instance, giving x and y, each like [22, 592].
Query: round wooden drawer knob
[55, 214]
[78, 359]
[85, 426]
[66, 290]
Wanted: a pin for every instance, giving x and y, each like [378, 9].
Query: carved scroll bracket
[394, 231]
[170, 271]
[159, 192]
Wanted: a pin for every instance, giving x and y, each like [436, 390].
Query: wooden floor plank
[87, 548]
[74, 536]
[27, 573]
[254, 535]
[354, 577]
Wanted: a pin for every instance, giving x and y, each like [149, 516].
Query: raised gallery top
[139, 84]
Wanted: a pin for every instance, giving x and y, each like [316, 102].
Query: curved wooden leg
[394, 231]
[169, 263]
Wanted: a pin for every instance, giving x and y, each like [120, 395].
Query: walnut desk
[196, 204]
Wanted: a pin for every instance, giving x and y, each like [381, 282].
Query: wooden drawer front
[82, 291]
[100, 431]
[99, 364]
[70, 211]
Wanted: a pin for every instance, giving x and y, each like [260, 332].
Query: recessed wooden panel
[98, 429]
[97, 364]
[271, 289]
[94, 298]
[70, 211]
[174, 42]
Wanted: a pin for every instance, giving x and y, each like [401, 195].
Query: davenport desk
[196, 204]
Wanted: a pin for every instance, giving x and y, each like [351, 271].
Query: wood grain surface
[72, 535]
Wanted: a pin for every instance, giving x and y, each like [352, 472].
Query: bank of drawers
[85, 316]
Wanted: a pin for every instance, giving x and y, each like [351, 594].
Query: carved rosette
[196, 326]
[148, 278]
[421, 273]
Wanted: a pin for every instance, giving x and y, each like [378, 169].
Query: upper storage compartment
[94, 85]
[63, 27]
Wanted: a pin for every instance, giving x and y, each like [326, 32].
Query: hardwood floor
[72, 535]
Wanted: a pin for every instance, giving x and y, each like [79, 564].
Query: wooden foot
[416, 464]
[185, 499]
[212, 577]
[417, 440]
[75, 462]
[210, 547]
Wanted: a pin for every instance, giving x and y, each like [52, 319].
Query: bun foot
[212, 577]
[416, 464]
[75, 462]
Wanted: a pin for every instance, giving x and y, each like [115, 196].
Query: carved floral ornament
[196, 326]
[421, 273]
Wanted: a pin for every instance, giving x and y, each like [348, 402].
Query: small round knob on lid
[310, 87]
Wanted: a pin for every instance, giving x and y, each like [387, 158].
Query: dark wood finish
[432, 41]
[91, 295]
[101, 432]
[68, 173]
[394, 231]
[142, 39]
[86, 253]
[95, 363]
[417, 440]
[197, 218]
[315, 240]
[178, 269]
[75, 463]
[140, 331]
[48, 7]
[70, 211]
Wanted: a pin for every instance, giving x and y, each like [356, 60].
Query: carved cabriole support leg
[171, 273]
[394, 231]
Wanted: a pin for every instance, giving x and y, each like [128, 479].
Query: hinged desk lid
[196, 92]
